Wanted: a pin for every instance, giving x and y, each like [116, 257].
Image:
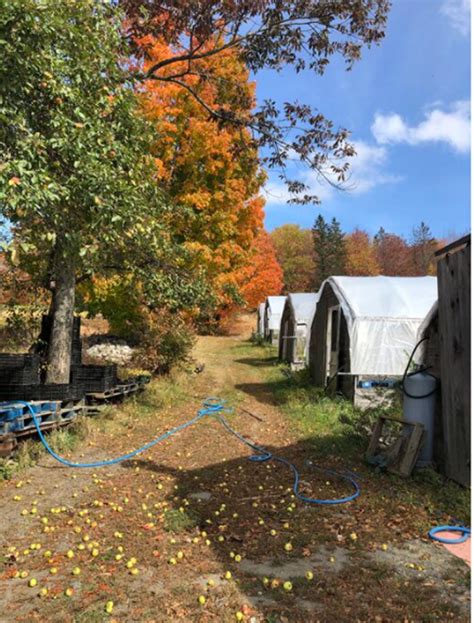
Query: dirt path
[194, 518]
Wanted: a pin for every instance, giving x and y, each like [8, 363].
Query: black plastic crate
[96, 387]
[92, 372]
[19, 376]
[15, 360]
[12, 360]
[58, 391]
[19, 369]
[12, 391]
[76, 357]
[41, 392]
[94, 378]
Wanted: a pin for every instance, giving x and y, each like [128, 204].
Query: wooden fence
[454, 318]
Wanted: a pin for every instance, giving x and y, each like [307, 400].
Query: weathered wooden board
[402, 455]
[431, 359]
[454, 309]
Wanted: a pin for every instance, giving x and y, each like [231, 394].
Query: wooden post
[454, 291]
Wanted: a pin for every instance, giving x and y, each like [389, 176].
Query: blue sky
[407, 105]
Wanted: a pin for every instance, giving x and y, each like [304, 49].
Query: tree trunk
[60, 344]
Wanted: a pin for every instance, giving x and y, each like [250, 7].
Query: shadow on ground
[246, 509]
[258, 362]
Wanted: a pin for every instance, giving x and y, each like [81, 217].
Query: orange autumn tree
[211, 169]
[393, 254]
[361, 255]
[263, 276]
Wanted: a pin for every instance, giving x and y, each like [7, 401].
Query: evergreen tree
[380, 235]
[423, 248]
[330, 249]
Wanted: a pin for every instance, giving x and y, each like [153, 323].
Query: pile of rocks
[109, 350]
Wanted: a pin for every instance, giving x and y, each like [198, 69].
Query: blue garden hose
[124, 457]
[211, 407]
[465, 534]
[265, 455]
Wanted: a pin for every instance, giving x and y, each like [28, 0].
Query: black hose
[406, 374]
[331, 379]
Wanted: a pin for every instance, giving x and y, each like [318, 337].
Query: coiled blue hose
[465, 534]
[211, 407]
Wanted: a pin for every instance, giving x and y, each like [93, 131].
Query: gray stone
[200, 495]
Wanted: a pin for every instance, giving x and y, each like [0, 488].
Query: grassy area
[31, 450]
[179, 520]
[334, 423]
[334, 427]
[160, 394]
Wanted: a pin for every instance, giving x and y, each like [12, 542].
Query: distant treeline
[308, 256]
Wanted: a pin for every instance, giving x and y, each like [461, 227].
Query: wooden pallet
[400, 457]
[62, 414]
[8, 444]
[117, 391]
[58, 414]
[94, 408]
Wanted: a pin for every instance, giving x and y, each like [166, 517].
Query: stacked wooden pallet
[16, 420]
[16, 417]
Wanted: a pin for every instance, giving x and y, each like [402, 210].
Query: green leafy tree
[75, 185]
[295, 253]
[330, 249]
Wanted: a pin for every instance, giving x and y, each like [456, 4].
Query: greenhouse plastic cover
[427, 320]
[424, 326]
[383, 316]
[304, 306]
[275, 305]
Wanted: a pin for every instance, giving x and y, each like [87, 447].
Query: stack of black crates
[92, 379]
[22, 377]
[18, 374]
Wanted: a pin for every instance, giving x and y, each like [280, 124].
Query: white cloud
[367, 170]
[458, 13]
[451, 127]
[369, 167]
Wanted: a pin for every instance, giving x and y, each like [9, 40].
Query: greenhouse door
[333, 335]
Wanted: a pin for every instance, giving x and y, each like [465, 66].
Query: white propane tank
[419, 402]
